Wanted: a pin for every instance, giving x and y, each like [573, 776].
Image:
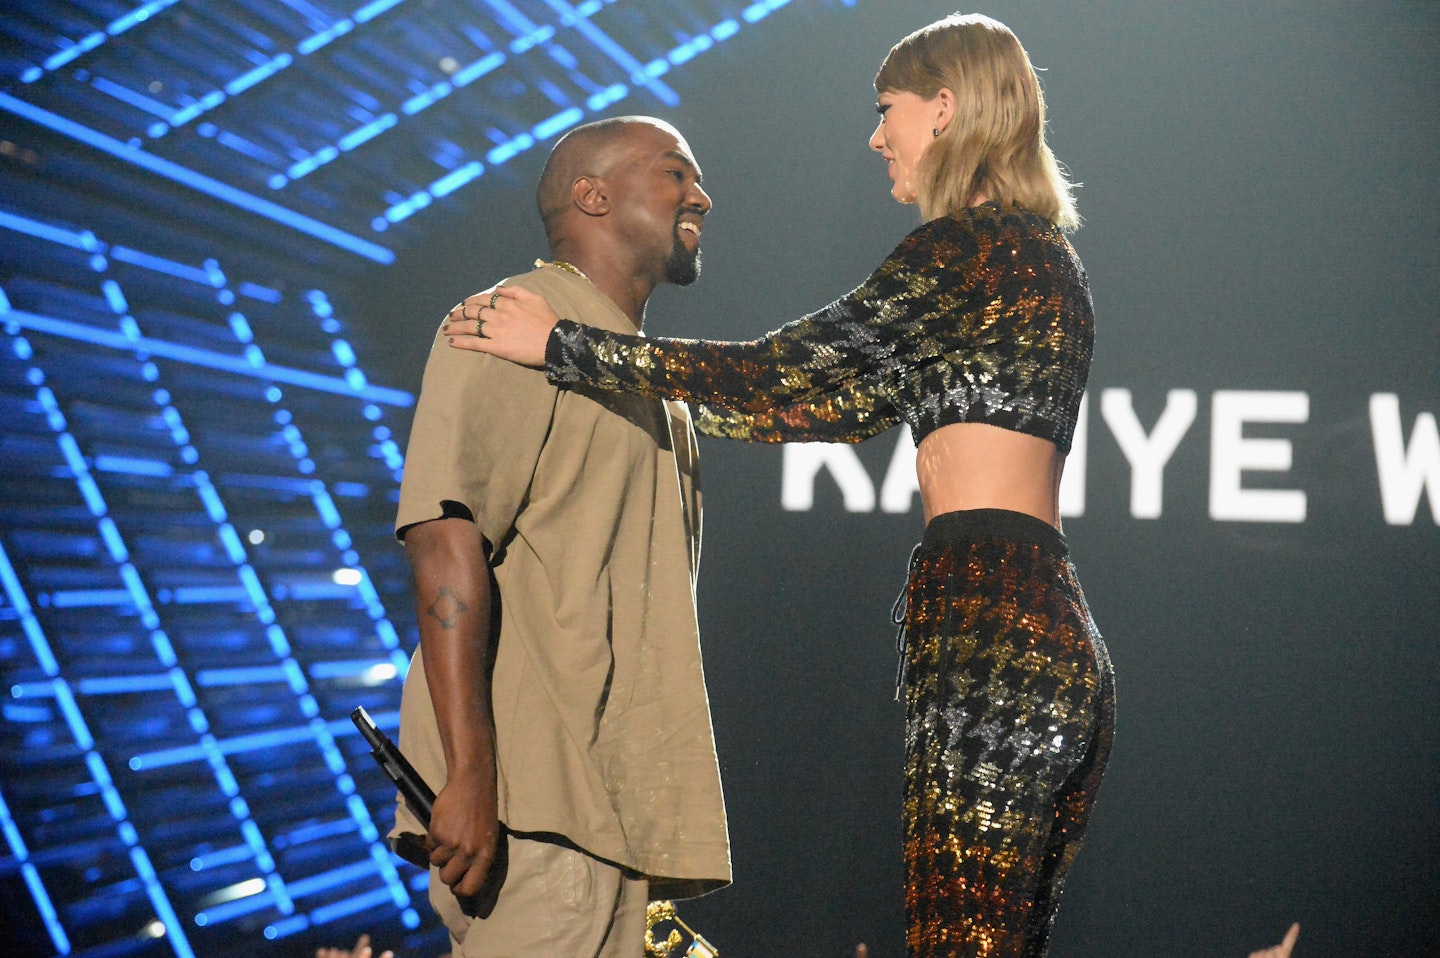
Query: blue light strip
[324, 881]
[322, 671]
[266, 70]
[64, 698]
[198, 181]
[229, 910]
[759, 11]
[373, 9]
[206, 678]
[236, 745]
[133, 466]
[461, 78]
[288, 670]
[642, 75]
[204, 358]
[161, 265]
[314, 831]
[127, 684]
[75, 240]
[208, 277]
[34, 634]
[224, 856]
[32, 879]
[118, 26]
[126, 95]
[467, 75]
[622, 57]
[245, 81]
[349, 906]
[558, 123]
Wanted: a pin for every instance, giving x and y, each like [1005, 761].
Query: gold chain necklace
[562, 265]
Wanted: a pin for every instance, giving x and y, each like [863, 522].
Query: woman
[977, 331]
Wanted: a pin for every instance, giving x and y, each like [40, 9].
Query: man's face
[659, 204]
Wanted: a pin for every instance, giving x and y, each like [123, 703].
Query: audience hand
[1281, 950]
[361, 950]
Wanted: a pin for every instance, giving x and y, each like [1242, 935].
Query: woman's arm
[851, 413]
[863, 337]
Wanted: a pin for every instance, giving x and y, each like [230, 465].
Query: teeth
[691, 227]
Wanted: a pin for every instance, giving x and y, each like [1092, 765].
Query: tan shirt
[591, 502]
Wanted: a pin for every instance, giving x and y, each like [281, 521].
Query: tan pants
[556, 903]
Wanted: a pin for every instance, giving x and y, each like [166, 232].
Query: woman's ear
[588, 195]
[944, 109]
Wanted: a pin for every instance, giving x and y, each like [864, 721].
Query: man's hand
[464, 830]
[505, 321]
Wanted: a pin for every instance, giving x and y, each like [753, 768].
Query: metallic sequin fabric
[984, 316]
[1009, 714]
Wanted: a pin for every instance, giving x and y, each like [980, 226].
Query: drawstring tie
[898, 612]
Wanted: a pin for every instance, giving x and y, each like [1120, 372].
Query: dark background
[1260, 214]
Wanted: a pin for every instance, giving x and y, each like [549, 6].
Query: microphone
[418, 796]
[420, 799]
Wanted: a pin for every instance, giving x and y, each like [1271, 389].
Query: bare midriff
[977, 466]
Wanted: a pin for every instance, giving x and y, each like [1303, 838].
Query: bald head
[589, 150]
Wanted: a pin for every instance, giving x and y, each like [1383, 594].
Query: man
[557, 701]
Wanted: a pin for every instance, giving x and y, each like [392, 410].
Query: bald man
[556, 701]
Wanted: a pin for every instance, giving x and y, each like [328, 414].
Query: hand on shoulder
[505, 321]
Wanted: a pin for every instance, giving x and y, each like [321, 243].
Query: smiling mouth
[692, 228]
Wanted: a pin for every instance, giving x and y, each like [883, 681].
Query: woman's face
[907, 126]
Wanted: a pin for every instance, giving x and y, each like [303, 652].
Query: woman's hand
[504, 321]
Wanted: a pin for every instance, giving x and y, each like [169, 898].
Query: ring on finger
[494, 297]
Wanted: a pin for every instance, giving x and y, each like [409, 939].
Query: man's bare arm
[453, 603]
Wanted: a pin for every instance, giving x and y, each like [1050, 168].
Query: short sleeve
[480, 425]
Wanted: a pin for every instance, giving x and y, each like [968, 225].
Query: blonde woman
[977, 331]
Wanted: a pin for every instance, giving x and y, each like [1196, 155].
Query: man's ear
[589, 196]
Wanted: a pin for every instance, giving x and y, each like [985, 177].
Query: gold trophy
[659, 912]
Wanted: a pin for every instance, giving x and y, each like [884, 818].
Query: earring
[935, 132]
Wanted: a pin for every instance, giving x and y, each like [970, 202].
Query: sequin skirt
[1009, 709]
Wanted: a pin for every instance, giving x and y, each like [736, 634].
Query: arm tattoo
[447, 607]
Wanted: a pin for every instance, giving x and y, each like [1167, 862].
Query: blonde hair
[995, 145]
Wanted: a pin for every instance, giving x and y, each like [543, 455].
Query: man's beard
[682, 266]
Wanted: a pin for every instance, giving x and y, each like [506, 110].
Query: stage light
[346, 576]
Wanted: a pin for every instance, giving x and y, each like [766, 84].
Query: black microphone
[418, 796]
[420, 799]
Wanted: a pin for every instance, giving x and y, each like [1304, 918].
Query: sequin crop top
[980, 317]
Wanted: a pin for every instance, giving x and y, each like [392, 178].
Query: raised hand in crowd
[362, 949]
[1281, 950]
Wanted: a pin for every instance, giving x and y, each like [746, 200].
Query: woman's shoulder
[987, 235]
[986, 226]
[993, 221]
